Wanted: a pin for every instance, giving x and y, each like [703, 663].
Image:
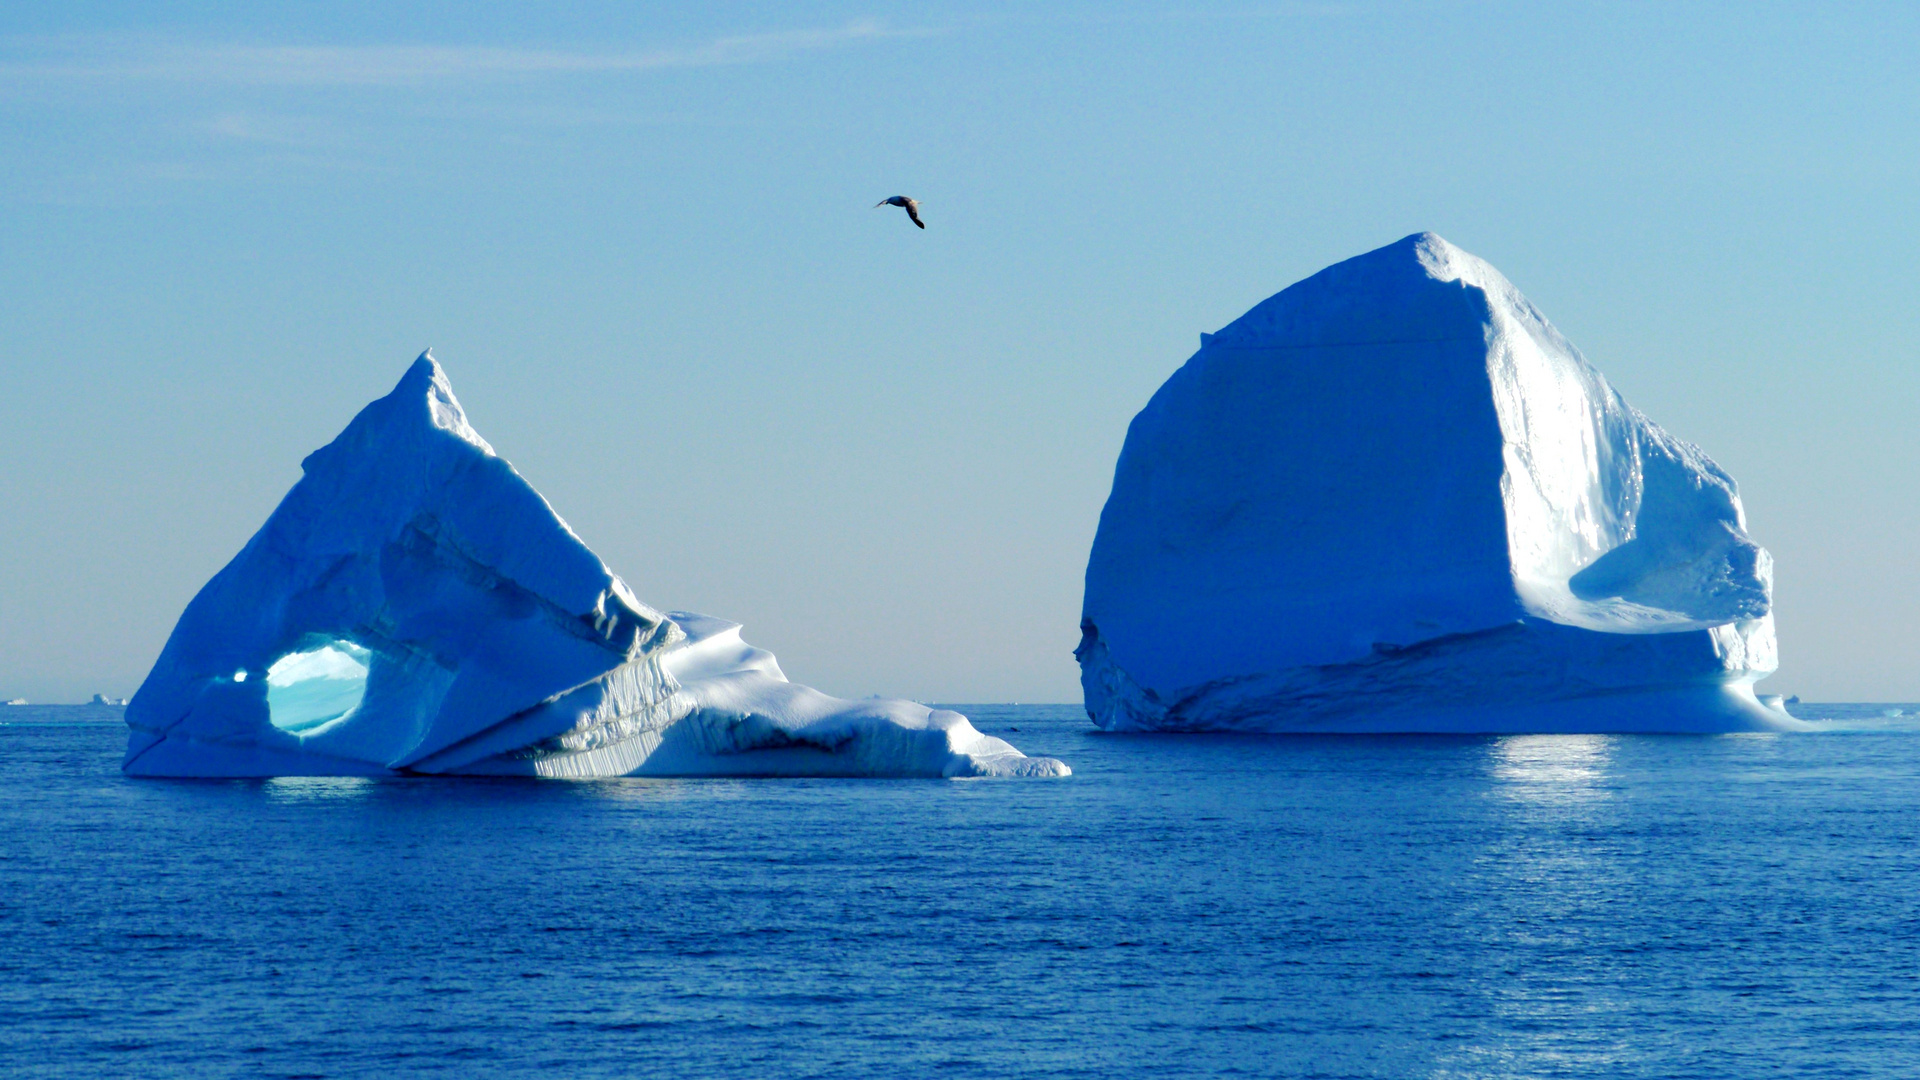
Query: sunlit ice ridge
[1394, 498]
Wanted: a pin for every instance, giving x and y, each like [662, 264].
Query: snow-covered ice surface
[414, 606]
[1394, 498]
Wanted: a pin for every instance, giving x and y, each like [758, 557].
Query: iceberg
[413, 606]
[1393, 498]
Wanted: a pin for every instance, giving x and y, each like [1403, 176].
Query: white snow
[414, 606]
[1394, 498]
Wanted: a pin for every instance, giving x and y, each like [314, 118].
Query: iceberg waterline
[1394, 498]
[415, 606]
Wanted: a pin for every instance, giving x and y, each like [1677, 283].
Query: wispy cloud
[389, 65]
[271, 129]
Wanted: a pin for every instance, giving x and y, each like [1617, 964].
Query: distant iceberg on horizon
[1393, 498]
[414, 606]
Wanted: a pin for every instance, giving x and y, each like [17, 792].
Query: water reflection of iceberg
[1549, 769]
[312, 789]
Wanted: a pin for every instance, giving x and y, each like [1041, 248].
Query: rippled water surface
[1735, 906]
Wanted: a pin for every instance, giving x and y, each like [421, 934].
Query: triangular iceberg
[415, 606]
[1394, 498]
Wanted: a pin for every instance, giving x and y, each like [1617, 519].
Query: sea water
[1587, 906]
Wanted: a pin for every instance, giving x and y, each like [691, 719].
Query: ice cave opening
[315, 688]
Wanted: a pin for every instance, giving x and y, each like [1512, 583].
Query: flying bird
[912, 207]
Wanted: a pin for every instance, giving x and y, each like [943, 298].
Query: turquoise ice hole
[315, 688]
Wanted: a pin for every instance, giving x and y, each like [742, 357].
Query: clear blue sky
[640, 239]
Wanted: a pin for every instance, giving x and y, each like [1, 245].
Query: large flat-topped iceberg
[1394, 498]
[414, 606]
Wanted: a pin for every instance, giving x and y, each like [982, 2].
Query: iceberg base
[1530, 676]
[710, 705]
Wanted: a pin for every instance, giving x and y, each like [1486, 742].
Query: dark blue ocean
[1578, 906]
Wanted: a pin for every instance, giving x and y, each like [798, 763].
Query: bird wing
[913, 211]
